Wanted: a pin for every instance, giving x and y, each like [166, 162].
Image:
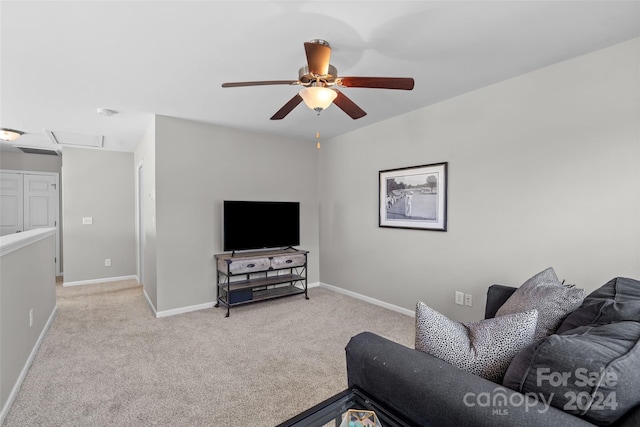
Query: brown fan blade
[262, 83]
[287, 108]
[348, 106]
[404, 83]
[318, 56]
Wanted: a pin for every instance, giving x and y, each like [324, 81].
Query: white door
[141, 243]
[40, 201]
[11, 203]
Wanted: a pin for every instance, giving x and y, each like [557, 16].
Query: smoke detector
[106, 112]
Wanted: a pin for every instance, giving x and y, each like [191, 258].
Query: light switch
[459, 298]
[87, 220]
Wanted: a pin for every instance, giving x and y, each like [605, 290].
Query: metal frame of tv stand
[268, 282]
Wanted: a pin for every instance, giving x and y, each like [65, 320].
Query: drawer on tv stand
[244, 265]
[288, 261]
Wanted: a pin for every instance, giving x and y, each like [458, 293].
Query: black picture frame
[414, 197]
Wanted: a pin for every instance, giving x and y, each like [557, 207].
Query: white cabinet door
[11, 203]
[40, 201]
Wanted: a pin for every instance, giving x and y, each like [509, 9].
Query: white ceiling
[62, 60]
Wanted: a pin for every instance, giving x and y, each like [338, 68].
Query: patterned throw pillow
[484, 348]
[544, 292]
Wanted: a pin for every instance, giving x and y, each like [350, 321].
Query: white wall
[98, 184]
[197, 167]
[544, 170]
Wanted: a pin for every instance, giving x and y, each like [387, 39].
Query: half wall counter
[27, 304]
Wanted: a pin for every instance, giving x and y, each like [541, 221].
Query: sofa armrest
[496, 296]
[430, 391]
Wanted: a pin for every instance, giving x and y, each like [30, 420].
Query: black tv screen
[260, 225]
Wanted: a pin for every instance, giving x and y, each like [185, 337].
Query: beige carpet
[107, 361]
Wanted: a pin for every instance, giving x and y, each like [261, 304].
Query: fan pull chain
[318, 140]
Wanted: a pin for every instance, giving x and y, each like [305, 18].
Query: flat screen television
[260, 225]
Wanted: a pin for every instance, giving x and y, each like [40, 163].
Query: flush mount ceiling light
[10, 134]
[318, 98]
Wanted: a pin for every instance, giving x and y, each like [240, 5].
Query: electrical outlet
[459, 298]
[87, 220]
[468, 300]
[107, 262]
[31, 317]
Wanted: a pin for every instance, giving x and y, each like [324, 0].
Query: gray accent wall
[544, 170]
[27, 283]
[30, 162]
[98, 184]
[197, 167]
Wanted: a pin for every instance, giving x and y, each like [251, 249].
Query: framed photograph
[414, 197]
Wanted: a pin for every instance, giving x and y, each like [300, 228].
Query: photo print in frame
[414, 197]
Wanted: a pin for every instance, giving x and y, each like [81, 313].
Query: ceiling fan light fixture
[317, 79]
[318, 98]
[10, 134]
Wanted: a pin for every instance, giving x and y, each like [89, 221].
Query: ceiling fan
[320, 81]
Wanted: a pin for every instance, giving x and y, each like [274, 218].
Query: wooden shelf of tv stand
[260, 275]
[281, 291]
[262, 282]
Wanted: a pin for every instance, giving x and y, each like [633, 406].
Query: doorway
[141, 239]
[30, 200]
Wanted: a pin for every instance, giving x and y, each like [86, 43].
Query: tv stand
[243, 278]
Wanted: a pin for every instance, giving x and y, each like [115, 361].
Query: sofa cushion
[544, 293]
[593, 372]
[617, 300]
[484, 348]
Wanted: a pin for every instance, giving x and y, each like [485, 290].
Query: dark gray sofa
[431, 392]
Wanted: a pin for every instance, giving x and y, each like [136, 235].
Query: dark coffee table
[329, 412]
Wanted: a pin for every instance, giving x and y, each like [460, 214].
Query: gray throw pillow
[592, 372]
[544, 293]
[484, 348]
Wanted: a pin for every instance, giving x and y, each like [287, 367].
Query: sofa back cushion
[591, 367]
[497, 295]
[594, 372]
[615, 301]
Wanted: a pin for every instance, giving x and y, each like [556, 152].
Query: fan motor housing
[306, 77]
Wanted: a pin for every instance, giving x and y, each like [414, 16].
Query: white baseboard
[369, 299]
[153, 309]
[313, 285]
[27, 365]
[96, 281]
[181, 310]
